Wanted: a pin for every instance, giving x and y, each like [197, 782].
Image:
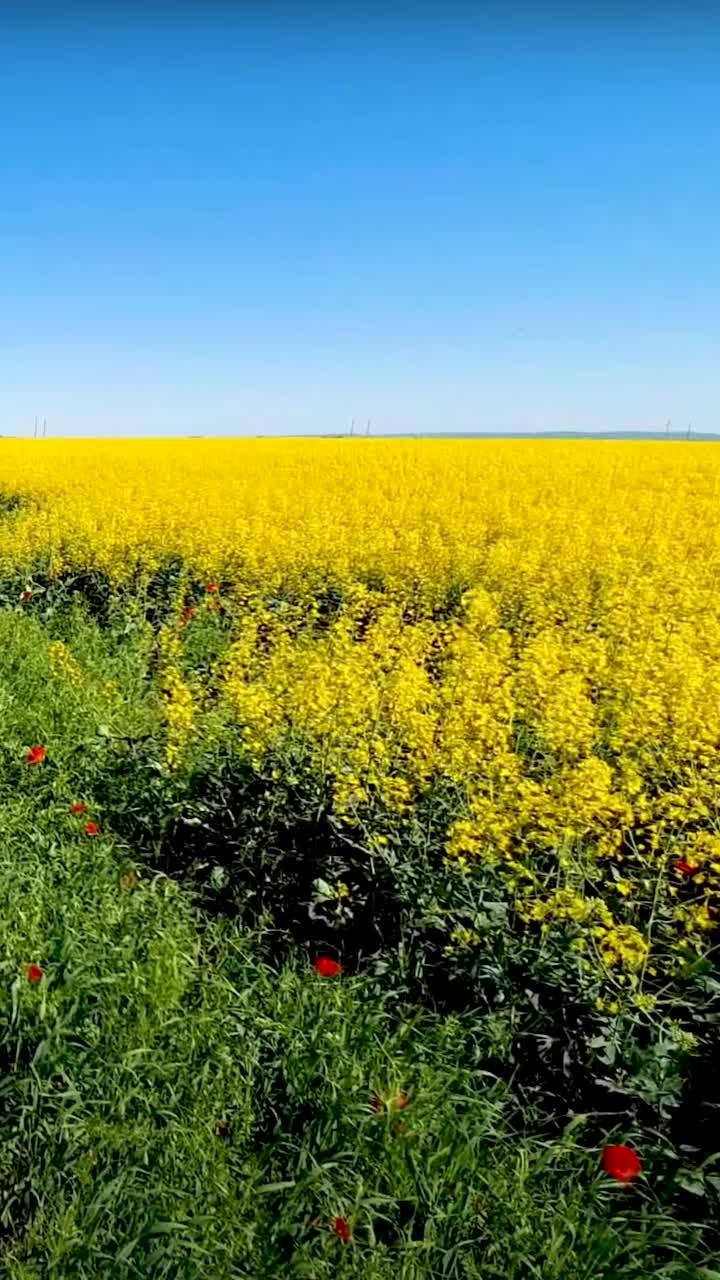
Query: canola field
[536, 627]
[439, 719]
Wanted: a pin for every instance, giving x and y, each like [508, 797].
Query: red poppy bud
[686, 868]
[326, 967]
[92, 829]
[27, 595]
[34, 973]
[36, 755]
[341, 1227]
[621, 1163]
[78, 807]
[211, 588]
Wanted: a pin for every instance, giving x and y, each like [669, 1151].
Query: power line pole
[35, 434]
[44, 427]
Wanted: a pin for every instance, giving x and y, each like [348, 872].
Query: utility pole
[367, 429]
[352, 427]
[44, 427]
[35, 435]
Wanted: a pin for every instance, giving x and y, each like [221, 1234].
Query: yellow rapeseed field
[530, 628]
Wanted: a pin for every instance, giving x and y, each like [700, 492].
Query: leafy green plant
[184, 1095]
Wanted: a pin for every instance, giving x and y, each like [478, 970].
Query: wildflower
[34, 973]
[128, 881]
[78, 807]
[326, 967]
[63, 663]
[92, 829]
[695, 917]
[187, 613]
[222, 1129]
[461, 940]
[644, 1002]
[622, 944]
[27, 595]
[621, 1163]
[685, 1041]
[179, 705]
[686, 868]
[341, 1227]
[36, 755]
[211, 588]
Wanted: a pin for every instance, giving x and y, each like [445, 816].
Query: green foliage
[183, 1096]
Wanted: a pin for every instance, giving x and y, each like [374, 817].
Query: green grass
[182, 1096]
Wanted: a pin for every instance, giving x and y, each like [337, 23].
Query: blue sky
[218, 220]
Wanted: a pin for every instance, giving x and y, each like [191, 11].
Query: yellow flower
[622, 944]
[63, 663]
[685, 1041]
[462, 940]
[643, 1001]
[505, 625]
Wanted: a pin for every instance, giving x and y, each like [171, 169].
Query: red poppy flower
[621, 1162]
[187, 613]
[326, 967]
[211, 588]
[36, 755]
[27, 595]
[78, 807]
[34, 973]
[686, 868]
[341, 1227]
[92, 829]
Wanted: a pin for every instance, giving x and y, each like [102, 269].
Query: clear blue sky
[474, 217]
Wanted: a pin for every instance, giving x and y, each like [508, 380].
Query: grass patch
[184, 1096]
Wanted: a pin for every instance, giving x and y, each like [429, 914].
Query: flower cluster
[63, 663]
[178, 700]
